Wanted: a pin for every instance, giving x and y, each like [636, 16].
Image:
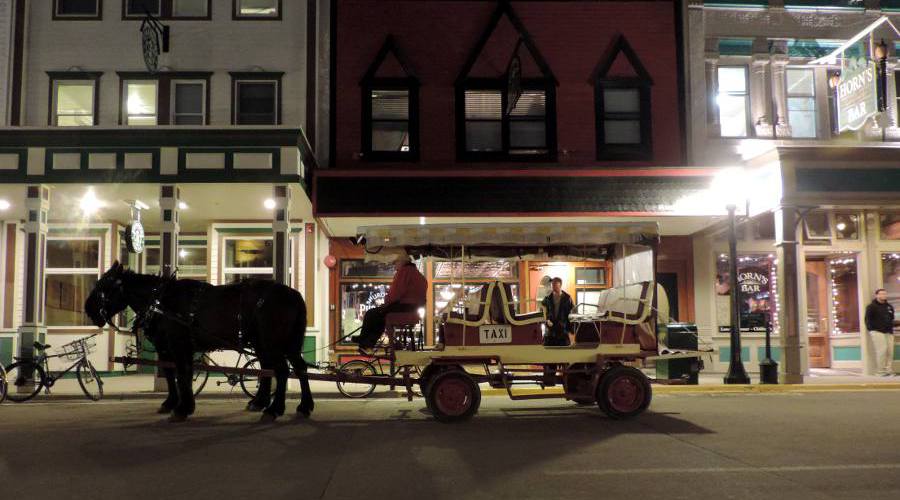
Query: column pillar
[787, 252]
[760, 103]
[33, 327]
[782, 124]
[712, 92]
[281, 234]
[169, 196]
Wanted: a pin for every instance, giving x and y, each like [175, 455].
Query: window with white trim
[188, 102]
[257, 8]
[73, 268]
[256, 102]
[248, 257]
[801, 102]
[733, 101]
[77, 9]
[141, 102]
[137, 8]
[73, 103]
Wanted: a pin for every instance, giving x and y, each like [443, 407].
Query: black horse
[182, 317]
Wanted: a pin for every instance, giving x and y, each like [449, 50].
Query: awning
[508, 241]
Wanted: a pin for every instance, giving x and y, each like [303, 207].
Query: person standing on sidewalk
[880, 324]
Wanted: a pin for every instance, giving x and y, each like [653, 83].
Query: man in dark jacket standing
[880, 324]
[558, 305]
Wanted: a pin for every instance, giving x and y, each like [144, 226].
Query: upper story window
[733, 101]
[77, 9]
[493, 131]
[257, 98]
[73, 99]
[189, 102]
[166, 9]
[141, 102]
[257, 9]
[622, 107]
[390, 107]
[801, 102]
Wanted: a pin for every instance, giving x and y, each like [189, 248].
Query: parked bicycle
[249, 383]
[370, 366]
[26, 378]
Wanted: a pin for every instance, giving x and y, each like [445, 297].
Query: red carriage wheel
[623, 392]
[453, 396]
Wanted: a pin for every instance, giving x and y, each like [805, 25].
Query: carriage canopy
[521, 241]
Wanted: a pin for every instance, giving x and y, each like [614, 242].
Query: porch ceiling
[668, 225]
[206, 203]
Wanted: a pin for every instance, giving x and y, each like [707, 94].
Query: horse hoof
[176, 418]
[163, 410]
[251, 406]
[267, 418]
[302, 412]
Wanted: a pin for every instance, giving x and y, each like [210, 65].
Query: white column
[169, 196]
[787, 252]
[712, 90]
[33, 327]
[782, 124]
[281, 234]
[761, 105]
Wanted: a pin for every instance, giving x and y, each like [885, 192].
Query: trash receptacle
[678, 336]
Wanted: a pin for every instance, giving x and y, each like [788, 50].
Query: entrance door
[818, 306]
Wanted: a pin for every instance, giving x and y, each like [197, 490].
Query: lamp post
[881, 60]
[736, 373]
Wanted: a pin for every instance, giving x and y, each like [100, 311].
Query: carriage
[485, 338]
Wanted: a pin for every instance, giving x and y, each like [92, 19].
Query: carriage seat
[628, 304]
[401, 320]
[475, 308]
[514, 317]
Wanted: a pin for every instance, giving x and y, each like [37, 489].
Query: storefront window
[151, 260]
[845, 294]
[356, 299]
[192, 261]
[846, 226]
[816, 226]
[757, 289]
[248, 258]
[890, 226]
[890, 272]
[72, 270]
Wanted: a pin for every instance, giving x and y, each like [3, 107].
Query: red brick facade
[437, 37]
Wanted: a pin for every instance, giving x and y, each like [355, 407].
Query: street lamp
[736, 373]
[881, 60]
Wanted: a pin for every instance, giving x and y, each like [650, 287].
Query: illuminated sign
[856, 94]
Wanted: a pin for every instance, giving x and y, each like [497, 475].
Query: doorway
[817, 308]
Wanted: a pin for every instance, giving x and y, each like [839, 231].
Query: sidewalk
[140, 386]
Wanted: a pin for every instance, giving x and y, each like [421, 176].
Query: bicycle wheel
[198, 382]
[250, 382]
[356, 368]
[25, 380]
[89, 380]
[2, 383]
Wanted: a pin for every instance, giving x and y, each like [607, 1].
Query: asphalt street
[776, 445]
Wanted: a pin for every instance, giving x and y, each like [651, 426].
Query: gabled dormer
[622, 101]
[390, 107]
[506, 96]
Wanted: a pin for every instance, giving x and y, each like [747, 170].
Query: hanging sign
[154, 41]
[857, 93]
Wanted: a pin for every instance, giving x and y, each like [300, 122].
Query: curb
[727, 389]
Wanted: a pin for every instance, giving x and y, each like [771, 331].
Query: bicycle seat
[41, 347]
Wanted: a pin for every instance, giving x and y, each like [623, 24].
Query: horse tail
[299, 329]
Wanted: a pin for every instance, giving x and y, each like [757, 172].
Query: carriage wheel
[453, 396]
[624, 392]
[356, 368]
[249, 379]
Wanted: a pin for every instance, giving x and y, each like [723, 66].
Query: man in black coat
[880, 324]
[558, 305]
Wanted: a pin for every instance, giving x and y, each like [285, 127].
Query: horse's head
[108, 296]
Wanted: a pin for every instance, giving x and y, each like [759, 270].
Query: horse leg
[184, 370]
[264, 389]
[276, 409]
[306, 400]
[172, 399]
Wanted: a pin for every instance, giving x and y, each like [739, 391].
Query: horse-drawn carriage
[483, 338]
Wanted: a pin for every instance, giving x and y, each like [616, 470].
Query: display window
[756, 281]
[73, 268]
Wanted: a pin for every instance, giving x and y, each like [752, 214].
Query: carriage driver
[407, 294]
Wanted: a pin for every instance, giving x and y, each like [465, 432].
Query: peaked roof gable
[391, 60]
[505, 9]
[610, 64]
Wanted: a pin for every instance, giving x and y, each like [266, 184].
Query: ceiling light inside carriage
[89, 203]
[4, 205]
[269, 204]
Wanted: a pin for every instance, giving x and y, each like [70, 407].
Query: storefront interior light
[269, 204]
[4, 205]
[422, 221]
[183, 253]
[89, 203]
[182, 205]
[841, 226]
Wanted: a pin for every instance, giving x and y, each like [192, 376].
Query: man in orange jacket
[407, 294]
